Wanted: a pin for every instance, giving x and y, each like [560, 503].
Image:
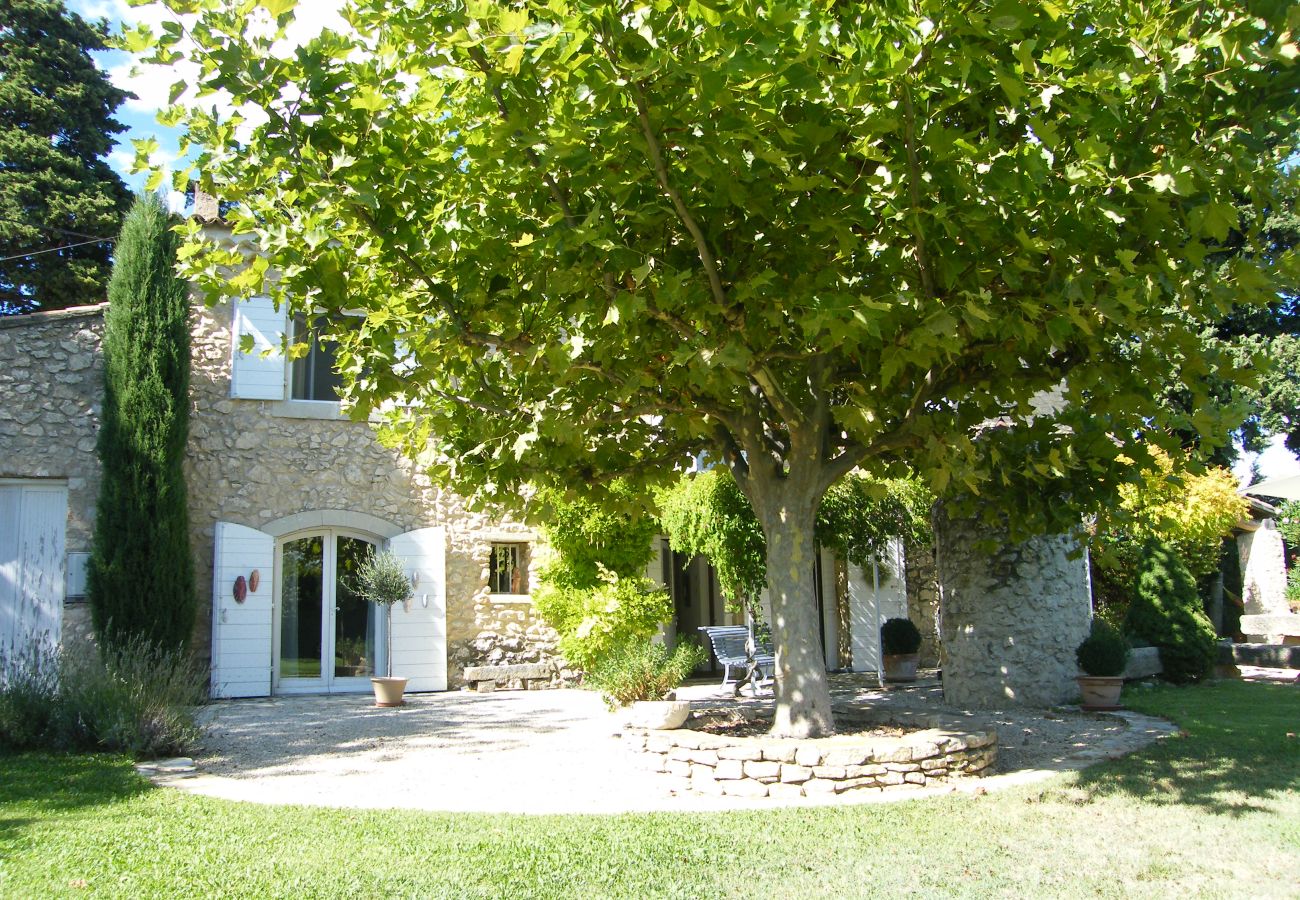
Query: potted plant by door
[1102, 656]
[382, 580]
[644, 677]
[899, 642]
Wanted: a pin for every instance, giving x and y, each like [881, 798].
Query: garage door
[33, 518]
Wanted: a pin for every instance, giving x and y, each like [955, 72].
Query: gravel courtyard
[555, 751]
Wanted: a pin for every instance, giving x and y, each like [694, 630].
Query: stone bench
[527, 675]
[1275, 628]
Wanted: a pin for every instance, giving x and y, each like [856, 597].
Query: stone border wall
[785, 768]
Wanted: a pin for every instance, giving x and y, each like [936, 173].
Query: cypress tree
[141, 576]
[1166, 612]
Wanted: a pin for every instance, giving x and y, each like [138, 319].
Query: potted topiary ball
[1102, 656]
[380, 579]
[899, 641]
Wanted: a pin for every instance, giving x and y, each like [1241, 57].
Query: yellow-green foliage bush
[596, 622]
[1189, 513]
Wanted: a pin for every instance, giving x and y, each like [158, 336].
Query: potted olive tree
[900, 642]
[1102, 656]
[644, 677]
[380, 579]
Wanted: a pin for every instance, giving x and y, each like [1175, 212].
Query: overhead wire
[51, 249]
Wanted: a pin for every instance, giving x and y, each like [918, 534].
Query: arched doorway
[327, 640]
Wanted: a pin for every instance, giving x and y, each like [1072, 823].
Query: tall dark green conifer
[56, 125]
[141, 578]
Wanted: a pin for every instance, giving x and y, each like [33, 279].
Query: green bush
[1293, 589]
[1166, 612]
[594, 623]
[29, 686]
[134, 698]
[640, 670]
[899, 636]
[1104, 652]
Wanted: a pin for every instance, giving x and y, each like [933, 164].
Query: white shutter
[252, 375]
[242, 632]
[654, 569]
[33, 523]
[864, 624]
[419, 636]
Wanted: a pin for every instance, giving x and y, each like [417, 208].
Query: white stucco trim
[332, 518]
[307, 409]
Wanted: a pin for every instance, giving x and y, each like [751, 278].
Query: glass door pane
[301, 607]
[356, 626]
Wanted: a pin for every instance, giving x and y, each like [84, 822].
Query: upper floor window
[314, 376]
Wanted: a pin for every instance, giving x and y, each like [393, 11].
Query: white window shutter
[654, 569]
[419, 635]
[252, 375]
[242, 633]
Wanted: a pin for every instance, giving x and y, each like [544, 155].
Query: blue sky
[139, 115]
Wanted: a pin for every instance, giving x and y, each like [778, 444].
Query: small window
[314, 376]
[508, 569]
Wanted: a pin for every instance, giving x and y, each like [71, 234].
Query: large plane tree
[592, 239]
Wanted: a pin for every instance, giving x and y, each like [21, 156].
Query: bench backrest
[729, 642]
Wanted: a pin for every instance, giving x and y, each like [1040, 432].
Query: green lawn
[1215, 813]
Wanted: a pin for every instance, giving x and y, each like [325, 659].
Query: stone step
[1269, 656]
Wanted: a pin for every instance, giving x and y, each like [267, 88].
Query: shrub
[641, 670]
[594, 623]
[134, 698]
[899, 636]
[1293, 589]
[1104, 652]
[29, 686]
[1166, 611]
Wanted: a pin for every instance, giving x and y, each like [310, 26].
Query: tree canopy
[592, 238]
[56, 190]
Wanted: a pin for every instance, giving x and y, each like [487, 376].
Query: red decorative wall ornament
[241, 589]
[254, 579]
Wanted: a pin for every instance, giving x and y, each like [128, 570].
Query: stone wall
[782, 768]
[249, 462]
[1012, 616]
[923, 600]
[51, 385]
[252, 462]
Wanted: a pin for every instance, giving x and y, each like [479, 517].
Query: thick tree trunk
[786, 510]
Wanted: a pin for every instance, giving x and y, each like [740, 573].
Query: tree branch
[914, 190]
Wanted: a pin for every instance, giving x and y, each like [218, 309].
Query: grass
[1215, 812]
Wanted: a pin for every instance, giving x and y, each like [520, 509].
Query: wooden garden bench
[729, 648]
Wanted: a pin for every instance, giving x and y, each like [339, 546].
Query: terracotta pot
[1100, 692]
[662, 715]
[388, 691]
[901, 667]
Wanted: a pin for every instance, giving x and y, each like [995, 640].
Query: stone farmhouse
[285, 495]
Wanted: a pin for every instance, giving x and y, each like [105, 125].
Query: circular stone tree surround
[934, 748]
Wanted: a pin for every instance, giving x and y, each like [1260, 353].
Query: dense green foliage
[899, 636]
[1104, 652]
[1288, 522]
[586, 535]
[134, 698]
[799, 238]
[593, 589]
[598, 622]
[141, 574]
[1190, 511]
[1166, 613]
[860, 515]
[56, 125]
[705, 514]
[645, 671]
[1225, 793]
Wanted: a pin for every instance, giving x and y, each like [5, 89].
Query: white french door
[327, 639]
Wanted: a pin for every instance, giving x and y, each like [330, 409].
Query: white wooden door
[242, 628]
[33, 525]
[419, 628]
